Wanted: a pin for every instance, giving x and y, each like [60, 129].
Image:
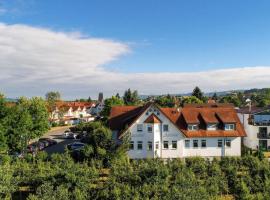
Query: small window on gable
[192, 127]
[149, 128]
[139, 127]
[139, 145]
[131, 145]
[229, 127]
[165, 127]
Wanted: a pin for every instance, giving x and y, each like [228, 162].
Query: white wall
[251, 140]
[174, 134]
[212, 149]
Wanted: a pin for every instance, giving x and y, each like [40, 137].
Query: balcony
[263, 135]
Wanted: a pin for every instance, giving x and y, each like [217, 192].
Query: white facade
[72, 115]
[253, 140]
[96, 110]
[176, 140]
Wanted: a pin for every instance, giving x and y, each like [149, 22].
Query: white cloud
[36, 60]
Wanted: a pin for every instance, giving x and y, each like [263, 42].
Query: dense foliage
[22, 121]
[59, 177]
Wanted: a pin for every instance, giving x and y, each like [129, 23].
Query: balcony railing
[263, 135]
[258, 123]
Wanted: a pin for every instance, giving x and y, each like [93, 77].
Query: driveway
[56, 133]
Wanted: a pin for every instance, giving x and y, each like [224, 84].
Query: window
[220, 143]
[187, 143]
[149, 128]
[211, 127]
[139, 127]
[157, 145]
[229, 127]
[174, 144]
[195, 143]
[228, 143]
[193, 127]
[139, 145]
[165, 127]
[131, 145]
[203, 143]
[149, 146]
[165, 144]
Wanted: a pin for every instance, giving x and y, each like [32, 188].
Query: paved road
[56, 133]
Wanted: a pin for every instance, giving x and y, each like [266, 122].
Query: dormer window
[229, 127]
[211, 127]
[193, 127]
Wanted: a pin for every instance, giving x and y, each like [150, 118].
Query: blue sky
[162, 36]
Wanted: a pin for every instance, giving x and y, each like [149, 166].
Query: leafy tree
[190, 99]
[109, 103]
[130, 98]
[39, 113]
[215, 97]
[52, 98]
[231, 99]
[3, 124]
[197, 93]
[166, 101]
[117, 95]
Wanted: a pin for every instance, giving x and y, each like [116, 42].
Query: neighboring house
[72, 112]
[96, 110]
[207, 130]
[256, 122]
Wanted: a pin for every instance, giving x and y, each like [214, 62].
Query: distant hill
[220, 93]
[11, 100]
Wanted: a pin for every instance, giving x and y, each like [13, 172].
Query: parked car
[80, 136]
[70, 135]
[40, 145]
[49, 140]
[32, 147]
[75, 146]
[45, 142]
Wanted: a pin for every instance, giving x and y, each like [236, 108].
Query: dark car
[32, 147]
[45, 142]
[75, 146]
[49, 140]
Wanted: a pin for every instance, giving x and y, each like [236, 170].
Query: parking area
[56, 134]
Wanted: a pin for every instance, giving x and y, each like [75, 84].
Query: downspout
[224, 147]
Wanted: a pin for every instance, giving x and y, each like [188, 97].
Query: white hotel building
[208, 130]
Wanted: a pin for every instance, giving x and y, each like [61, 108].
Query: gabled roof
[122, 117]
[153, 119]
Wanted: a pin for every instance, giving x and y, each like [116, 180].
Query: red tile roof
[123, 117]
